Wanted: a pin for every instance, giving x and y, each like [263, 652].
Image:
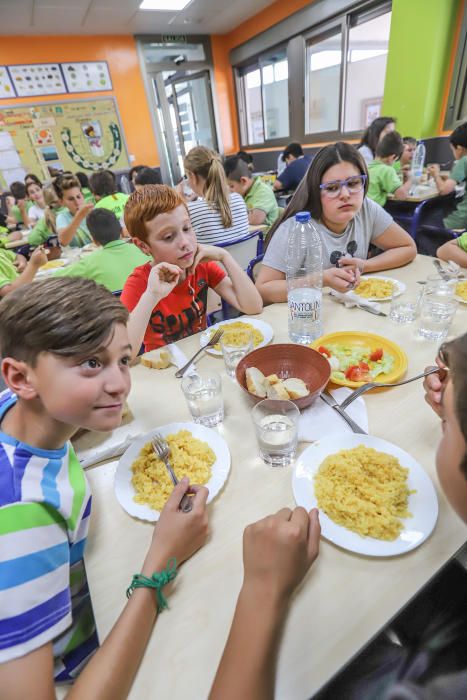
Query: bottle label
[309, 310]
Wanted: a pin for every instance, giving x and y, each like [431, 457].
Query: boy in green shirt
[458, 176]
[15, 270]
[258, 196]
[115, 260]
[104, 189]
[383, 179]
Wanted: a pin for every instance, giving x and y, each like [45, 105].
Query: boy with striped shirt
[65, 355]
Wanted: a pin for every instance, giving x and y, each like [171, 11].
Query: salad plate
[358, 357]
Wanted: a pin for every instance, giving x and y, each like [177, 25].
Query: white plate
[124, 489]
[400, 287]
[261, 326]
[423, 504]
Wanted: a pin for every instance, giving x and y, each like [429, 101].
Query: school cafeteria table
[345, 599]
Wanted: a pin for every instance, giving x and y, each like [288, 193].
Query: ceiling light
[164, 5]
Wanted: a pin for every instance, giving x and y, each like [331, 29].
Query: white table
[345, 599]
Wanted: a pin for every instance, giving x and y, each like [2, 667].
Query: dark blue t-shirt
[291, 176]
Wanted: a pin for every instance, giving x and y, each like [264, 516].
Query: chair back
[245, 248]
[253, 267]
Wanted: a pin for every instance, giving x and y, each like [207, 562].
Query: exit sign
[174, 38]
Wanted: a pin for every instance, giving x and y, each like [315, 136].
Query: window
[456, 112]
[263, 93]
[323, 75]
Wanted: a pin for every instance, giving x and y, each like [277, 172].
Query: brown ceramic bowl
[288, 360]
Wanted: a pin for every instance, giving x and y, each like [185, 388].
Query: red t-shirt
[182, 312]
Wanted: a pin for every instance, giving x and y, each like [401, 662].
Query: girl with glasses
[333, 191]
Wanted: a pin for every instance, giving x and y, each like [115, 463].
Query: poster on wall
[6, 86]
[35, 79]
[87, 77]
[74, 135]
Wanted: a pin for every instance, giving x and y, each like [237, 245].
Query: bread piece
[272, 379]
[296, 388]
[278, 391]
[157, 359]
[256, 382]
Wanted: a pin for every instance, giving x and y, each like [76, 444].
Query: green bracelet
[158, 580]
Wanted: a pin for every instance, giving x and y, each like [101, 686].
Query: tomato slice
[324, 351]
[376, 355]
[355, 373]
[364, 366]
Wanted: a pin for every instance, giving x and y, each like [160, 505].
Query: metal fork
[372, 385]
[162, 450]
[213, 341]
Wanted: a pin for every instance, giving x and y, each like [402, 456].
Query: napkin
[179, 359]
[319, 419]
[350, 299]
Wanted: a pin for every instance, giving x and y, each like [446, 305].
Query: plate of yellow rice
[262, 332]
[142, 483]
[461, 291]
[379, 288]
[373, 497]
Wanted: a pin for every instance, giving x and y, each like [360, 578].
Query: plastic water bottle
[418, 161]
[304, 280]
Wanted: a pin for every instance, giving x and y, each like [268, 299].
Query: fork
[372, 385]
[161, 448]
[213, 341]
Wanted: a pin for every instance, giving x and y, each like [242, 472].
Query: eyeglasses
[353, 184]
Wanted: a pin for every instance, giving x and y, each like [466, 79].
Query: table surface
[345, 599]
[418, 198]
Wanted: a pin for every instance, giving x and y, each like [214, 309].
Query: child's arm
[277, 553]
[110, 673]
[162, 279]
[399, 249]
[444, 186]
[24, 212]
[272, 284]
[66, 234]
[37, 259]
[237, 289]
[403, 191]
[256, 217]
[453, 251]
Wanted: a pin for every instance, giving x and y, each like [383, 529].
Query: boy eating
[383, 179]
[66, 366]
[258, 196]
[167, 298]
[71, 222]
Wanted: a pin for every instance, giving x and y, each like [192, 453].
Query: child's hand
[162, 279]
[38, 257]
[84, 210]
[279, 550]
[433, 170]
[10, 201]
[206, 252]
[434, 385]
[20, 263]
[179, 534]
[15, 236]
[341, 278]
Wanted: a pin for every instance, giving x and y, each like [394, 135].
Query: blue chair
[251, 267]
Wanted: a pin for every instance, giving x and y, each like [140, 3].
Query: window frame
[458, 87]
[296, 50]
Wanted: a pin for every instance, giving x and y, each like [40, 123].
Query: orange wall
[128, 88]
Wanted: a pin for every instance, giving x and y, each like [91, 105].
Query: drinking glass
[405, 308]
[235, 345]
[436, 316]
[276, 425]
[203, 393]
[444, 289]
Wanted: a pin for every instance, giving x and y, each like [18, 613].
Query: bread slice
[272, 379]
[296, 388]
[278, 391]
[157, 359]
[256, 382]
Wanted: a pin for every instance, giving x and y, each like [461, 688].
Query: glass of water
[235, 345]
[405, 308]
[437, 313]
[203, 393]
[276, 425]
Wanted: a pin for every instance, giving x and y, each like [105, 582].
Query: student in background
[457, 219]
[455, 250]
[36, 196]
[85, 189]
[133, 173]
[71, 223]
[147, 176]
[258, 196]
[404, 164]
[30, 177]
[383, 179]
[115, 260]
[17, 205]
[378, 128]
[104, 188]
[248, 158]
[46, 226]
[16, 271]
[296, 166]
[218, 215]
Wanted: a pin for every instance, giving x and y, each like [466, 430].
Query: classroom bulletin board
[72, 135]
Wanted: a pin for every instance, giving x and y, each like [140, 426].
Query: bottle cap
[302, 216]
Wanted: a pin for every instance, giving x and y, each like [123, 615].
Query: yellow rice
[365, 491]
[235, 333]
[461, 290]
[373, 287]
[188, 456]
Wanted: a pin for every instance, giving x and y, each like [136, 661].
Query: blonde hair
[50, 215]
[207, 164]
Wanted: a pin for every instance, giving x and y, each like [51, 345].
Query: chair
[252, 269]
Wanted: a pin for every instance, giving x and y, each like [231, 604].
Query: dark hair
[454, 355]
[32, 182]
[103, 225]
[148, 176]
[83, 179]
[32, 178]
[371, 135]
[236, 168]
[409, 139]
[459, 136]
[64, 182]
[103, 183]
[135, 169]
[18, 190]
[69, 317]
[293, 149]
[390, 145]
[307, 196]
[247, 157]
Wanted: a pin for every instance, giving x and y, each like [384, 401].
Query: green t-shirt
[8, 271]
[110, 265]
[458, 217]
[462, 242]
[88, 195]
[383, 180]
[16, 212]
[397, 166]
[114, 202]
[260, 196]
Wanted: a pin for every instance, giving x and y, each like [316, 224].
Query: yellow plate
[52, 265]
[374, 341]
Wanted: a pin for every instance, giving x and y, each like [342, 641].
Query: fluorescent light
[164, 5]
